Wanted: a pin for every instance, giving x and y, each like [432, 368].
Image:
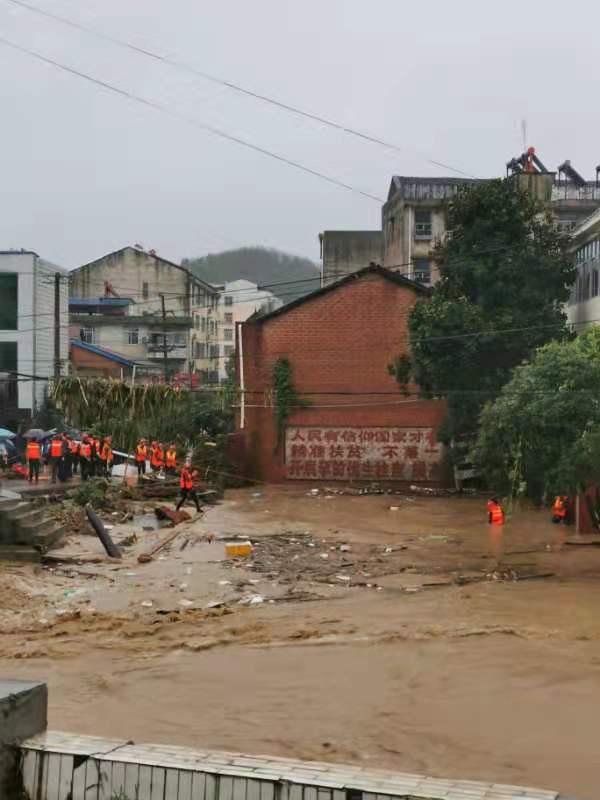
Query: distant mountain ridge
[297, 276]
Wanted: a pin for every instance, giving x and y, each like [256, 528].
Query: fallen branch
[146, 557]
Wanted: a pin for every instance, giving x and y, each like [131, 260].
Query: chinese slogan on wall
[405, 454]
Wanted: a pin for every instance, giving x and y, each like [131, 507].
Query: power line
[181, 65]
[218, 132]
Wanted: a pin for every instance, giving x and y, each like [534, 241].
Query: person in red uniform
[186, 485]
[495, 512]
[74, 455]
[34, 456]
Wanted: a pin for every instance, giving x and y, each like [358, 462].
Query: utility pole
[164, 316]
[57, 278]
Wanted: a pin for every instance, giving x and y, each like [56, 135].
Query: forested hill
[259, 265]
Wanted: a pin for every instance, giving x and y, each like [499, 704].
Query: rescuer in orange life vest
[106, 456]
[157, 456]
[495, 512]
[171, 459]
[55, 456]
[186, 485]
[34, 456]
[85, 457]
[560, 509]
[141, 454]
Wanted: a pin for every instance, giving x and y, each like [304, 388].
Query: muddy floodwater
[393, 631]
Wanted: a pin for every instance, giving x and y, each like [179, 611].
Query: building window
[88, 335]
[594, 283]
[213, 327]
[587, 288]
[177, 339]
[228, 350]
[228, 334]
[8, 356]
[200, 350]
[214, 351]
[9, 301]
[422, 270]
[145, 290]
[423, 227]
[133, 336]
[229, 318]
[228, 300]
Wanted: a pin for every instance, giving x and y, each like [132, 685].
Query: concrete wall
[127, 271]
[23, 713]
[339, 344]
[35, 335]
[344, 252]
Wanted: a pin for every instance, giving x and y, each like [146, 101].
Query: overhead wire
[218, 132]
[184, 66]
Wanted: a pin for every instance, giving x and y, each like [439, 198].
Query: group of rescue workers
[94, 457]
[560, 511]
[65, 456]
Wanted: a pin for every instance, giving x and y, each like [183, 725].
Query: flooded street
[393, 631]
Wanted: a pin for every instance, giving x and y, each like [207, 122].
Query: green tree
[541, 436]
[505, 271]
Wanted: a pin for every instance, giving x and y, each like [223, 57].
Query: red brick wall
[339, 342]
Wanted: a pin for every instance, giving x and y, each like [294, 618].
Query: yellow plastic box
[238, 549]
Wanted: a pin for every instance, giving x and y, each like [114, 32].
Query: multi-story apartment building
[583, 308]
[33, 330]
[414, 218]
[240, 299]
[142, 307]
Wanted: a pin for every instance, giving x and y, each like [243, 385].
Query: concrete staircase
[25, 531]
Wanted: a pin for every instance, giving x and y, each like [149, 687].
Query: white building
[584, 305]
[31, 333]
[239, 300]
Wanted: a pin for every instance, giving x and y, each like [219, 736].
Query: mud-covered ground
[395, 631]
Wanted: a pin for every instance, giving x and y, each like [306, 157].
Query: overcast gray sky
[84, 171]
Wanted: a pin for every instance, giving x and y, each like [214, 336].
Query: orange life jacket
[56, 448]
[171, 458]
[34, 451]
[185, 479]
[157, 458]
[140, 452]
[85, 451]
[559, 508]
[106, 453]
[497, 514]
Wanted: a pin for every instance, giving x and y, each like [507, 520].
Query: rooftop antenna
[524, 133]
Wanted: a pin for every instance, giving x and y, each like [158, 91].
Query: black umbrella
[34, 433]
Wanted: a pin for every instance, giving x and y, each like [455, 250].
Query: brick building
[339, 342]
